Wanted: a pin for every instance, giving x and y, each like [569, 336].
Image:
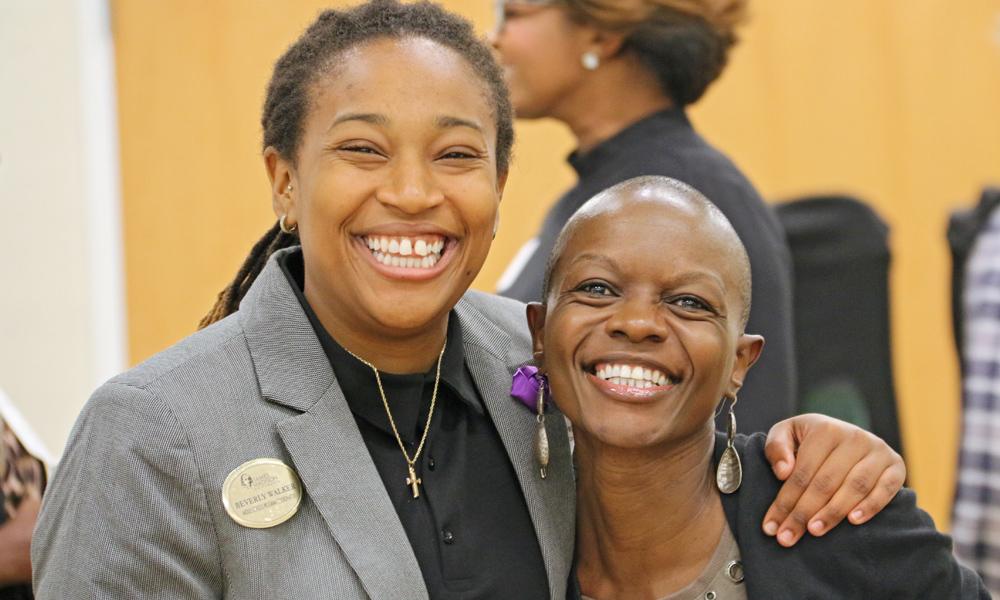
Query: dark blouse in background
[470, 529]
[666, 144]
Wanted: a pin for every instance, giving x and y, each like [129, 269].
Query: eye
[460, 154]
[361, 149]
[595, 288]
[691, 303]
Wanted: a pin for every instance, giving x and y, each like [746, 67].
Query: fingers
[840, 483]
[886, 487]
[780, 448]
[855, 479]
[783, 514]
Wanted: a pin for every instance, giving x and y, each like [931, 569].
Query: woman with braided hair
[342, 426]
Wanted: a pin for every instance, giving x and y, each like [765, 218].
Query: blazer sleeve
[126, 514]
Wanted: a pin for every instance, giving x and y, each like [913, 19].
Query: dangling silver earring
[541, 436]
[590, 60]
[729, 473]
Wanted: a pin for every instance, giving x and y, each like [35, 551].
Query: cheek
[477, 204]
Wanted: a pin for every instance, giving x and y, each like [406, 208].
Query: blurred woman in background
[620, 75]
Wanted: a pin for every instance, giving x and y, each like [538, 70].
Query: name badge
[261, 493]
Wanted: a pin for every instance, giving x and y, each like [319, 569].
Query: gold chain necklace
[413, 481]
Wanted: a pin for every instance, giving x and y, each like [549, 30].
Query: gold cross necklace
[412, 480]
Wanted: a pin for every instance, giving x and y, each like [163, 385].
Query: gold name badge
[263, 492]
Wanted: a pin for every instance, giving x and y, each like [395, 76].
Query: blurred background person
[620, 75]
[975, 240]
[22, 481]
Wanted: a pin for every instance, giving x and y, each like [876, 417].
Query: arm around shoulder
[908, 557]
[126, 514]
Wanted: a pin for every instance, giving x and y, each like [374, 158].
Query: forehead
[410, 74]
[654, 240]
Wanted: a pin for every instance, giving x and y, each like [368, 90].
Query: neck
[619, 93]
[390, 351]
[648, 520]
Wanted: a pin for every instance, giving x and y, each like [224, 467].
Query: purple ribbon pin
[524, 386]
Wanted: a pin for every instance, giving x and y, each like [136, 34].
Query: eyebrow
[685, 277]
[591, 256]
[373, 118]
[442, 122]
[446, 122]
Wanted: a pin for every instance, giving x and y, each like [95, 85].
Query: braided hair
[313, 55]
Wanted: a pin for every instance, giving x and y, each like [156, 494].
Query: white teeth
[405, 252]
[632, 376]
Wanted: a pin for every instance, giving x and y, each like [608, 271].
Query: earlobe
[279, 172]
[536, 324]
[609, 44]
[748, 350]
[502, 182]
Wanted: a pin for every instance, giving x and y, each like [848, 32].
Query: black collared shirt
[470, 529]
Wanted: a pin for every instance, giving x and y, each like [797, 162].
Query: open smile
[630, 381]
[412, 257]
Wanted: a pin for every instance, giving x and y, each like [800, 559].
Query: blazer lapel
[492, 359]
[323, 441]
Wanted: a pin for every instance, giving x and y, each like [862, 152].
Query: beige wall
[61, 301]
[893, 100]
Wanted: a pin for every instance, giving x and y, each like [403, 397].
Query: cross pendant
[414, 482]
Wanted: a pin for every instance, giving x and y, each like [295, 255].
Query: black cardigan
[898, 554]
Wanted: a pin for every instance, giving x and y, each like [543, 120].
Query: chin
[626, 431]
[524, 108]
[401, 313]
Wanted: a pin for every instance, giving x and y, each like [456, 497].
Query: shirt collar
[586, 162]
[403, 391]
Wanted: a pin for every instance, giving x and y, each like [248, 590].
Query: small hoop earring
[285, 228]
[590, 60]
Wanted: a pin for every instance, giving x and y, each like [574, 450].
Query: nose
[410, 187]
[638, 320]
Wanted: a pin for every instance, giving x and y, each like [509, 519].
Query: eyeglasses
[500, 8]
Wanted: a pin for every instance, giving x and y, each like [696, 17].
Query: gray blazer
[135, 508]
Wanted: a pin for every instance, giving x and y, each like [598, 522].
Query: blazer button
[447, 537]
[430, 463]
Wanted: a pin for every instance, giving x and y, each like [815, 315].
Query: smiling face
[394, 187]
[641, 335]
[539, 47]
